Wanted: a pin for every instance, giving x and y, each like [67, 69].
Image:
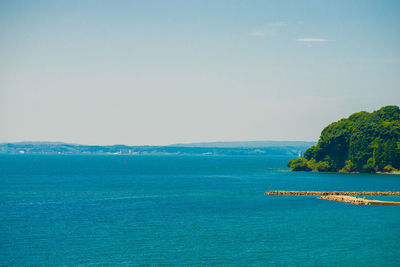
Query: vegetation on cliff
[364, 142]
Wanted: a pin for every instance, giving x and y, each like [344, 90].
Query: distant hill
[248, 144]
[277, 148]
[364, 142]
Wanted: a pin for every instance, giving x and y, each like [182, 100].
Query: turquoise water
[182, 210]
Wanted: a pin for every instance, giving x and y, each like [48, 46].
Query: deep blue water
[181, 210]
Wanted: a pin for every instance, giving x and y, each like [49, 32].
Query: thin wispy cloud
[258, 33]
[277, 24]
[312, 40]
[271, 29]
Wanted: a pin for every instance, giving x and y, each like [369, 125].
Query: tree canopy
[364, 142]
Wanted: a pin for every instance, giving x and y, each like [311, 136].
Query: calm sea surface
[187, 210]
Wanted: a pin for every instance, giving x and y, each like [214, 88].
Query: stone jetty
[359, 201]
[326, 193]
[342, 196]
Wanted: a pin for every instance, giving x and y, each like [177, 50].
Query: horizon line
[172, 144]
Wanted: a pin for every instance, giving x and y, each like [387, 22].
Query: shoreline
[384, 173]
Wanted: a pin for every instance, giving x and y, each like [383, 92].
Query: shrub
[369, 167]
[312, 164]
[323, 166]
[299, 164]
[348, 167]
[389, 168]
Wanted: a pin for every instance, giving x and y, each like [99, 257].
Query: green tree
[299, 164]
[348, 167]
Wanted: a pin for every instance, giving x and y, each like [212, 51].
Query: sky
[164, 72]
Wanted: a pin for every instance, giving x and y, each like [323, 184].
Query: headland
[364, 142]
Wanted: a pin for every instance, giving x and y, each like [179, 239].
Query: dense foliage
[364, 142]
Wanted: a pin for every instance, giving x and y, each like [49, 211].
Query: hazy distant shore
[258, 148]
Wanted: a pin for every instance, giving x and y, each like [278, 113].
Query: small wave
[39, 203]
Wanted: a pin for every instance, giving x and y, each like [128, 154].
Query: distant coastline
[251, 148]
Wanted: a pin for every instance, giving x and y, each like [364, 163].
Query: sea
[116, 210]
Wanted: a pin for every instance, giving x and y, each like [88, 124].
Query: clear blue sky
[161, 72]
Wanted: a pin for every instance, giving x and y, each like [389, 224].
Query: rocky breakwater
[359, 201]
[342, 196]
[326, 193]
